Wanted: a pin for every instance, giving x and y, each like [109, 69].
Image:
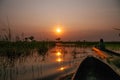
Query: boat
[92, 68]
[111, 52]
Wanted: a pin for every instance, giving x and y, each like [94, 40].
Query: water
[58, 61]
[115, 49]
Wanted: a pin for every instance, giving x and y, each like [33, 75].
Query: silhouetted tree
[31, 38]
[26, 39]
[58, 39]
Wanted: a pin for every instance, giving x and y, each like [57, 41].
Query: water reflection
[58, 53]
[33, 66]
[59, 60]
[62, 68]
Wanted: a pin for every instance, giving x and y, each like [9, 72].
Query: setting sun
[59, 39]
[58, 30]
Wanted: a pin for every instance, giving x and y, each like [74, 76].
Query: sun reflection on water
[62, 68]
[58, 53]
[59, 59]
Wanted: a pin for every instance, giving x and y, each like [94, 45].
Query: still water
[58, 61]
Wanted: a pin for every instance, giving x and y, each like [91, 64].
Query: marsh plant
[15, 50]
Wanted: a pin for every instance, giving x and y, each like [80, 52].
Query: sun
[58, 30]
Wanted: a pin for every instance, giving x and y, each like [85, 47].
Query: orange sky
[80, 19]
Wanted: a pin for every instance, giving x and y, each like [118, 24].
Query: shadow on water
[93, 69]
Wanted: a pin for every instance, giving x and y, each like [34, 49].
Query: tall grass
[15, 50]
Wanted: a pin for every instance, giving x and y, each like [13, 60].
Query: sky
[87, 20]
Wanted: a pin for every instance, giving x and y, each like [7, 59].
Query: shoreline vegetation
[22, 45]
[16, 49]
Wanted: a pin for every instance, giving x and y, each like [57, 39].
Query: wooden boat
[93, 69]
[111, 52]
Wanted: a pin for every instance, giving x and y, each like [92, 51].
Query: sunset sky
[78, 19]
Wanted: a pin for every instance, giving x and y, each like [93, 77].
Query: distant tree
[31, 38]
[26, 39]
[58, 39]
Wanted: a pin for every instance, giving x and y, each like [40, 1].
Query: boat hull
[94, 69]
